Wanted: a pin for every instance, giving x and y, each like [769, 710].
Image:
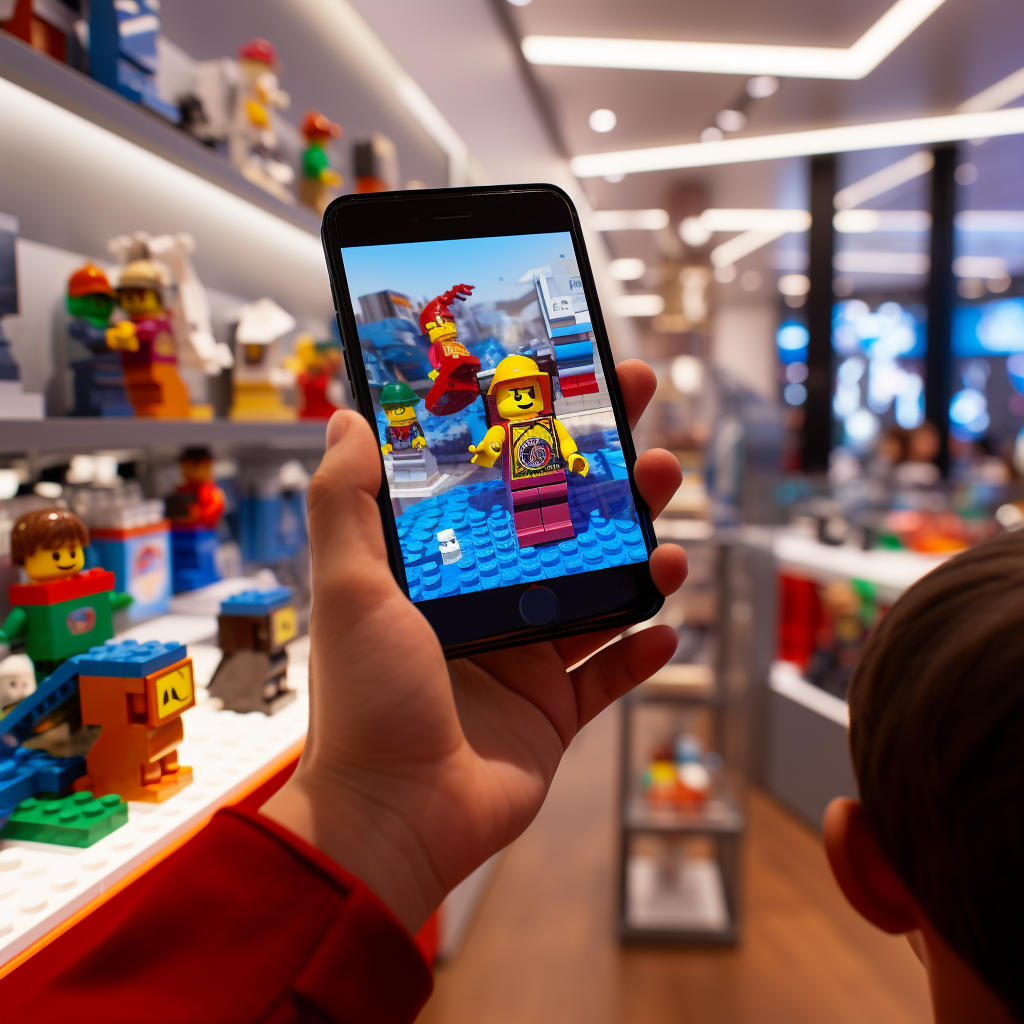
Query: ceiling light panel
[737, 58]
[628, 220]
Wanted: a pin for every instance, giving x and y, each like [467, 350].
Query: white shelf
[694, 903]
[785, 679]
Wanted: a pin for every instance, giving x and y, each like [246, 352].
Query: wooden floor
[542, 948]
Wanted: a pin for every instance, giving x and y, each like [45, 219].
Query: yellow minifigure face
[43, 565]
[519, 399]
[441, 328]
[197, 471]
[139, 301]
[400, 415]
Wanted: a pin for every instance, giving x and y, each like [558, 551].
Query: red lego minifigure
[455, 370]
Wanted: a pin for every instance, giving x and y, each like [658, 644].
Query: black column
[816, 442]
[938, 381]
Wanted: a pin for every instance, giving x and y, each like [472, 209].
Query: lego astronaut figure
[454, 368]
[535, 449]
[404, 439]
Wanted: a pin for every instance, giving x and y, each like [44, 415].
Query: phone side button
[539, 606]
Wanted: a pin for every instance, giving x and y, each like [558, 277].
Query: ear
[866, 877]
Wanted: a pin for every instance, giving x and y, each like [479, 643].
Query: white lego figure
[448, 545]
[17, 680]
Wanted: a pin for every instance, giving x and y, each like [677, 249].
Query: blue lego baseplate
[256, 602]
[129, 659]
[25, 773]
[601, 508]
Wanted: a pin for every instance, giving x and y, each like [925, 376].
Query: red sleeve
[244, 923]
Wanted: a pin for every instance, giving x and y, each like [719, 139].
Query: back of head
[937, 737]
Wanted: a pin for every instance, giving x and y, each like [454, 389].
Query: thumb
[345, 532]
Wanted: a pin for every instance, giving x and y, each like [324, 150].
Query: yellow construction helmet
[513, 368]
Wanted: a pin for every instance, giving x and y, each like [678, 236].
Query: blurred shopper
[935, 847]
[415, 771]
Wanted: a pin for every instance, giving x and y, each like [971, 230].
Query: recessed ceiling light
[603, 120]
[843, 139]
[851, 262]
[629, 220]
[627, 268]
[762, 86]
[520, 3]
[638, 305]
[856, 61]
[693, 232]
[711, 134]
[966, 174]
[794, 284]
[614, 179]
[731, 120]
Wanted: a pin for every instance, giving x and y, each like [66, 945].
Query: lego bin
[140, 559]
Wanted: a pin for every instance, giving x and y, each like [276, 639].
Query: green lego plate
[76, 820]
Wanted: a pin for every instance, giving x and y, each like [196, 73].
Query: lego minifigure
[258, 375]
[454, 369]
[254, 628]
[61, 611]
[319, 179]
[536, 450]
[195, 509]
[17, 681]
[136, 693]
[448, 545]
[99, 379]
[375, 162]
[252, 144]
[315, 364]
[149, 355]
[404, 439]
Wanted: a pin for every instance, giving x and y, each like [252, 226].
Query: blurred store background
[808, 217]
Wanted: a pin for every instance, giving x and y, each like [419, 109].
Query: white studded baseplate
[42, 885]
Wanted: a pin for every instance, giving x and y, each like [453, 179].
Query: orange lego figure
[149, 355]
[137, 694]
[535, 449]
[454, 368]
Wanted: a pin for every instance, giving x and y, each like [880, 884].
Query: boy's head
[937, 739]
[49, 543]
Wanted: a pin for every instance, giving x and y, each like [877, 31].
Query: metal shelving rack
[679, 869]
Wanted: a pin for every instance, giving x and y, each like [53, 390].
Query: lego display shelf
[45, 888]
[68, 88]
[82, 434]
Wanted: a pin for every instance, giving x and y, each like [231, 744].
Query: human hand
[123, 337]
[419, 442]
[415, 769]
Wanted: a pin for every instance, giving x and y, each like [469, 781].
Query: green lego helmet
[397, 393]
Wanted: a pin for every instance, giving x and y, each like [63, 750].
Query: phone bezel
[433, 214]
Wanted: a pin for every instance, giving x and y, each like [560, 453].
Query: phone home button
[538, 606]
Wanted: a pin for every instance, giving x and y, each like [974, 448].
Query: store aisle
[542, 948]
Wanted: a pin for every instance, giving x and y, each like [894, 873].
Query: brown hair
[46, 528]
[937, 738]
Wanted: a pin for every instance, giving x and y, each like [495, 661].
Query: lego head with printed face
[17, 679]
[49, 544]
[436, 319]
[398, 401]
[196, 465]
[519, 393]
[140, 289]
[90, 296]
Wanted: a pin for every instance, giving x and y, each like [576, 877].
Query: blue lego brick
[25, 773]
[128, 659]
[481, 516]
[194, 558]
[565, 332]
[256, 602]
[271, 528]
[59, 686]
[574, 351]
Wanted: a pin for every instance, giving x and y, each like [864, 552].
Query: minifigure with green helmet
[403, 431]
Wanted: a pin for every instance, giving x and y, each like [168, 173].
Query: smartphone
[475, 347]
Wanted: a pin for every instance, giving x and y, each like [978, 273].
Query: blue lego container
[193, 556]
[140, 559]
[272, 528]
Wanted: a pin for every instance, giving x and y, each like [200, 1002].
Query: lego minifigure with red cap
[455, 369]
[319, 179]
[252, 144]
[99, 378]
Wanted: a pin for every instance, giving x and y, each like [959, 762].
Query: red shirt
[245, 923]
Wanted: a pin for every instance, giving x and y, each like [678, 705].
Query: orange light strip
[277, 765]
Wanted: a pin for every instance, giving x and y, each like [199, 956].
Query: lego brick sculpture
[99, 377]
[254, 627]
[535, 449]
[195, 510]
[136, 693]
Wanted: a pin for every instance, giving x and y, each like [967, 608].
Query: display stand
[679, 866]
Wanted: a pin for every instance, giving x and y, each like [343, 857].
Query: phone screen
[503, 458]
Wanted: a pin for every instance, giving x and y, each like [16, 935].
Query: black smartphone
[474, 344]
